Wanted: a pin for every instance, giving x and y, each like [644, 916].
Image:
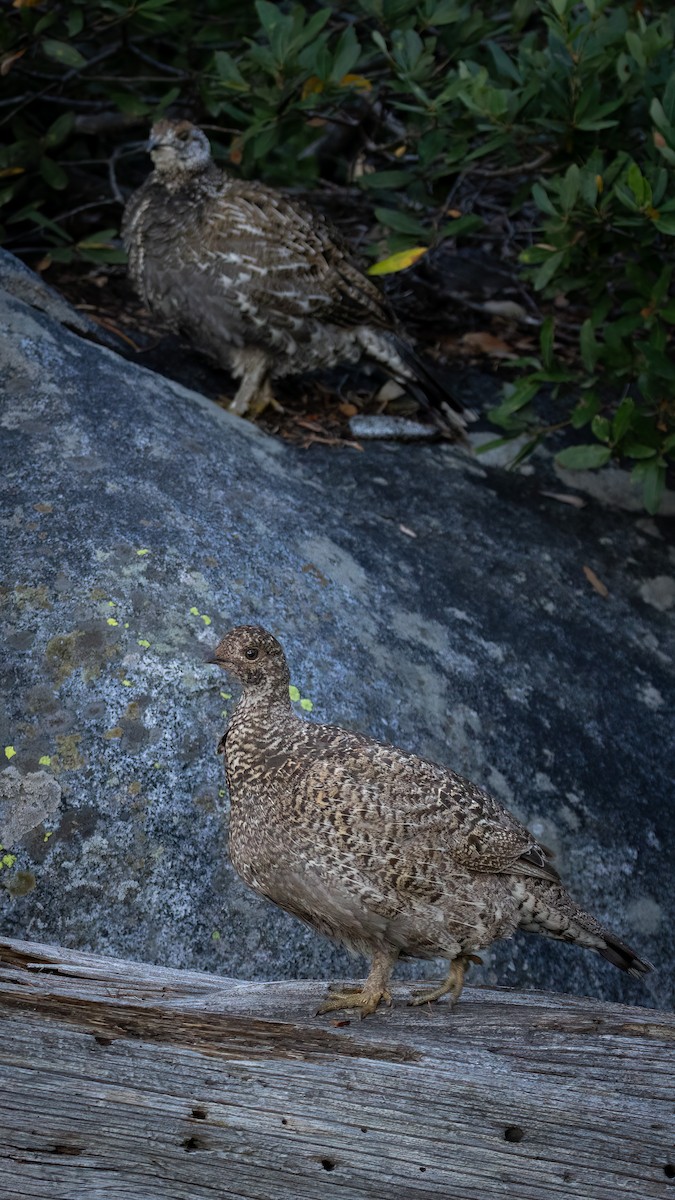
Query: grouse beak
[213, 658]
[152, 144]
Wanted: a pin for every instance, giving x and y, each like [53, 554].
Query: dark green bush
[568, 107]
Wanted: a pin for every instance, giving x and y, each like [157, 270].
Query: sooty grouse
[383, 851]
[255, 279]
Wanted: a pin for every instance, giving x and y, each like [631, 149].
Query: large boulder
[421, 596]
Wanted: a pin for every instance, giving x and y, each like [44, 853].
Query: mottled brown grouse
[385, 852]
[256, 279]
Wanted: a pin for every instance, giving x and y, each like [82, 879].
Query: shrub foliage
[571, 106]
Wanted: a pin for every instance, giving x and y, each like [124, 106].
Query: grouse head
[256, 659]
[178, 148]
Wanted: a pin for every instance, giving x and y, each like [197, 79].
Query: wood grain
[121, 1081]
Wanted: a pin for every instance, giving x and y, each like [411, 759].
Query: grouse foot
[452, 985]
[368, 997]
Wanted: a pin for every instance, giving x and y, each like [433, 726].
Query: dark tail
[433, 392]
[623, 957]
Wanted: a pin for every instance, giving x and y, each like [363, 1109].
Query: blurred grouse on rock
[385, 852]
[255, 279]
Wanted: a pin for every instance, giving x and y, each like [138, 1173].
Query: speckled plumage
[386, 852]
[254, 278]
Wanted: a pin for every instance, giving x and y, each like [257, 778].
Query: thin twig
[519, 169]
[153, 62]
[112, 175]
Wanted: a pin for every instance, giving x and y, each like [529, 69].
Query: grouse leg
[373, 991]
[452, 986]
[255, 390]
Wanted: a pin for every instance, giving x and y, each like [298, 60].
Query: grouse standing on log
[256, 279]
[385, 852]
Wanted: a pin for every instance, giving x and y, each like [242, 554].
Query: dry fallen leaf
[8, 61]
[347, 409]
[408, 532]
[596, 583]
[566, 498]
[509, 309]
[487, 343]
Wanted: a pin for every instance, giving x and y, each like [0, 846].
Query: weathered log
[126, 1081]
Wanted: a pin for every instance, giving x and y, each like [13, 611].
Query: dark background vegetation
[539, 133]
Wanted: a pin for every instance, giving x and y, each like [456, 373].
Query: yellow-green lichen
[45, 760]
[32, 597]
[20, 884]
[68, 757]
[9, 752]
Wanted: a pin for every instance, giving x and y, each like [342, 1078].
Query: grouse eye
[183, 135]
[251, 652]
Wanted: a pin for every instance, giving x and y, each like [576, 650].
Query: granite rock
[420, 596]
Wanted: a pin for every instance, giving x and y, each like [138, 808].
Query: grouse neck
[265, 697]
[201, 179]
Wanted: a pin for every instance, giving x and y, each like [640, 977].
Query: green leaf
[669, 100]
[634, 43]
[461, 225]
[229, 72]
[62, 52]
[590, 350]
[638, 185]
[53, 174]
[59, 131]
[601, 428]
[660, 119]
[548, 269]
[583, 458]
[585, 410]
[386, 179]
[653, 476]
[347, 54]
[666, 225]
[401, 222]
[569, 188]
[503, 63]
[638, 450]
[622, 419]
[546, 338]
[543, 200]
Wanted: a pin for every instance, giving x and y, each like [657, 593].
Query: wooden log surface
[121, 1081]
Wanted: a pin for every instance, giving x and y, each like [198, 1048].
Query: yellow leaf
[26, 3]
[356, 81]
[311, 86]
[397, 262]
[600, 184]
[7, 171]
